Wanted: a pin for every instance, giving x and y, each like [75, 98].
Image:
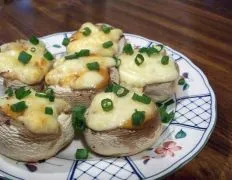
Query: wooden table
[202, 30]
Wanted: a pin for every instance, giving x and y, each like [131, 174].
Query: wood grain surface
[200, 29]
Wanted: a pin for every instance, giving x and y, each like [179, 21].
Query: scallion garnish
[48, 110]
[94, 66]
[86, 31]
[48, 56]
[164, 115]
[9, 91]
[107, 44]
[43, 95]
[143, 99]
[49, 94]
[81, 53]
[24, 57]
[118, 90]
[81, 154]
[148, 50]
[139, 59]
[138, 118]
[165, 60]
[181, 81]
[19, 106]
[65, 41]
[128, 49]
[107, 104]
[106, 29]
[117, 61]
[22, 92]
[160, 46]
[78, 118]
[33, 49]
[34, 40]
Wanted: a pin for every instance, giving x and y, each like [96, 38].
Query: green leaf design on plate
[186, 86]
[56, 46]
[180, 134]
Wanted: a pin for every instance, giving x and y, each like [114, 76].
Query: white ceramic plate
[181, 140]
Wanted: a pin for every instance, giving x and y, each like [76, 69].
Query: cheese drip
[34, 117]
[74, 73]
[12, 68]
[95, 40]
[120, 116]
[149, 72]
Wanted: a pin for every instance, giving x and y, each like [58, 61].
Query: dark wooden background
[200, 29]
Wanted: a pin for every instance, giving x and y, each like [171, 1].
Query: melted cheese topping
[94, 41]
[75, 75]
[120, 116]
[12, 68]
[149, 72]
[34, 117]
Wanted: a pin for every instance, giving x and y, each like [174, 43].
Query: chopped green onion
[139, 59]
[24, 57]
[117, 89]
[48, 56]
[42, 95]
[128, 49]
[181, 81]
[160, 46]
[107, 44]
[34, 40]
[81, 154]
[148, 50]
[165, 60]
[19, 106]
[33, 49]
[138, 118]
[48, 110]
[9, 91]
[117, 61]
[107, 104]
[106, 29]
[81, 53]
[50, 94]
[65, 41]
[94, 66]
[78, 118]
[143, 99]
[86, 31]
[165, 117]
[21, 93]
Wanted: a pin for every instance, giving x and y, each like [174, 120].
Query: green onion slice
[106, 29]
[160, 46]
[49, 94]
[118, 90]
[164, 115]
[9, 91]
[181, 81]
[48, 56]
[138, 118]
[33, 49]
[34, 40]
[22, 92]
[107, 104]
[139, 59]
[107, 44]
[128, 49]
[78, 118]
[81, 53]
[94, 66]
[24, 57]
[48, 110]
[65, 41]
[42, 95]
[19, 106]
[143, 99]
[165, 60]
[86, 31]
[149, 50]
[81, 154]
[117, 61]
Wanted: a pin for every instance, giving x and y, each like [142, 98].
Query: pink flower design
[167, 149]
